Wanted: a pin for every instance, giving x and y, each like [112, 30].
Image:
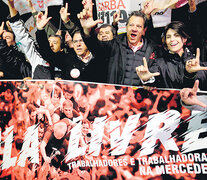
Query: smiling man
[125, 52]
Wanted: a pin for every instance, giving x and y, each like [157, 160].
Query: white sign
[106, 9]
[161, 18]
[40, 5]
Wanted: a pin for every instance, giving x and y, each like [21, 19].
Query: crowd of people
[88, 53]
[91, 54]
[56, 107]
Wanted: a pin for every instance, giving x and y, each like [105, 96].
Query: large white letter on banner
[97, 135]
[193, 138]
[30, 146]
[119, 143]
[73, 149]
[153, 132]
[7, 160]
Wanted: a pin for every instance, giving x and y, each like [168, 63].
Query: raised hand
[86, 19]
[42, 19]
[189, 95]
[87, 3]
[11, 3]
[29, 2]
[193, 65]
[64, 13]
[116, 17]
[148, 8]
[143, 71]
[12, 10]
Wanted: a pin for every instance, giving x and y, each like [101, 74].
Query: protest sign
[108, 131]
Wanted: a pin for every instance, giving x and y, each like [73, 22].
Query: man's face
[105, 34]
[135, 30]
[40, 133]
[68, 111]
[79, 46]
[55, 44]
[9, 37]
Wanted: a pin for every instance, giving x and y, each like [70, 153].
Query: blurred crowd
[56, 107]
[173, 56]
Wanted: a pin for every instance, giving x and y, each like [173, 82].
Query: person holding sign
[190, 99]
[177, 68]
[124, 52]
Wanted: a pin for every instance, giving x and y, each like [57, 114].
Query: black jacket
[60, 60]
[68, 61]
[172, 71]
[198, 30]
[93, 71]
[115, 52]
[13, 62]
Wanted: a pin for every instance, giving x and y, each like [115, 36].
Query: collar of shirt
[87, 58]
[135, 48]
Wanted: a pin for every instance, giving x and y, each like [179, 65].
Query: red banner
[74, 130]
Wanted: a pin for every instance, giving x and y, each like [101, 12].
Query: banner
[79, 130]
[181, 3]
[106, 9]
[40, 5]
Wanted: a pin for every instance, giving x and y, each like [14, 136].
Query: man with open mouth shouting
[125, 52]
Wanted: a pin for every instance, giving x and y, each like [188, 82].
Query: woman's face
[175, 42]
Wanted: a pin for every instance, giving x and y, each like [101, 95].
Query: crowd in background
[56, 107]
[90, 54]
[173, 57]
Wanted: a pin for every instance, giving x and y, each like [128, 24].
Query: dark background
[74, 6]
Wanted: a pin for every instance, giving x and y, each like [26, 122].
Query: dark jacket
[13, 62]
[115, 52]
[93, 71]
[68, 61]
[61, 60]
[172, 71]
[197, 22]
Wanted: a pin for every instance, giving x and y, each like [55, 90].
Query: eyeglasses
[76, 41]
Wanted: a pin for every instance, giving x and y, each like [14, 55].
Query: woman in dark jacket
[177, 67]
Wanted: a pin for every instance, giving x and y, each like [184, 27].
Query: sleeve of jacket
[1, 59]
[197, 107]
[8, 54]
[1, 65]
[196, 31]
[28, 44]
[49, 28]
[71, 27]
[103, 48]
[44, 45]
